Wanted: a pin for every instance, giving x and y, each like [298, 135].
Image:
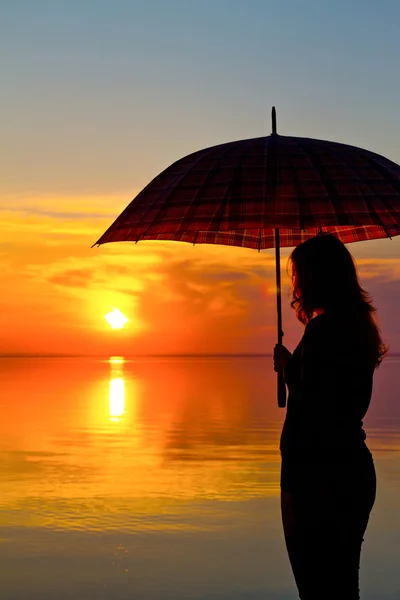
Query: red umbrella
[267, 192]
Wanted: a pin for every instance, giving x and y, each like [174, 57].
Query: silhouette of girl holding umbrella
[328, 481]
[275, 191]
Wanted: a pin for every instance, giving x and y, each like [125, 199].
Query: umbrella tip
[273, 121]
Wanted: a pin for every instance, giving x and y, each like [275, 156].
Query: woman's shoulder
[325, 321]
[320, 318]
[327, 335]
[319, 324]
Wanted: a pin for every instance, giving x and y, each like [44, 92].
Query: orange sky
[178, 298]
[98, 98]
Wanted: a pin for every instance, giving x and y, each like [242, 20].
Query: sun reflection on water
[116, 394]
[117, 398]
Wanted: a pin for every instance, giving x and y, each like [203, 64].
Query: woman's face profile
[295, 278]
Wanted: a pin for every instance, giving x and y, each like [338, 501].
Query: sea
[156, 478]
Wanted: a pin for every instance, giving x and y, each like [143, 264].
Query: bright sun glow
[116, 319]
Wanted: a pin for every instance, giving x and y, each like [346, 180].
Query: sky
[99, 96]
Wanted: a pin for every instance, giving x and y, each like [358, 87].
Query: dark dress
[328, 481]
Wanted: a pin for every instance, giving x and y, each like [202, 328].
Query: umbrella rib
[369, 201]
[178, 179]
[236, 176]
[382, 171]
[210, 174]
[314, 158]
[300, 197]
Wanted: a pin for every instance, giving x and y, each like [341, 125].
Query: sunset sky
[99, 96]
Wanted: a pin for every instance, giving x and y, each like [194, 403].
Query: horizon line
[171, 355]
[182, 354]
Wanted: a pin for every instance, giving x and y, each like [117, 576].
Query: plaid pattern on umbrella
[240, 192]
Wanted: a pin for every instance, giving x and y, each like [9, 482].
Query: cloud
[383, 268]
[18, 228]
[386, 297]
[178, 298]
[72, 278]
[66, 206]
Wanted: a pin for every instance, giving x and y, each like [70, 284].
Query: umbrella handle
[281, 390]
[281, 382]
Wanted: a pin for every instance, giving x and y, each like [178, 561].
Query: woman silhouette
[328, 481]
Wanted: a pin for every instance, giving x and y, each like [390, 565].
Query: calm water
[153, 479]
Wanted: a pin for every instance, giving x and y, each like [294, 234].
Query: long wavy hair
[324, 276]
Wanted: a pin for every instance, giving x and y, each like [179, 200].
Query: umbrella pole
[281, 381]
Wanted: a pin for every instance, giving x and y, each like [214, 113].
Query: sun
[116, 319]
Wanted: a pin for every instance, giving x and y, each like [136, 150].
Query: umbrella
[266, 192]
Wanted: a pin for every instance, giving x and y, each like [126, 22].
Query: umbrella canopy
[267, 192]
[239, 193]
